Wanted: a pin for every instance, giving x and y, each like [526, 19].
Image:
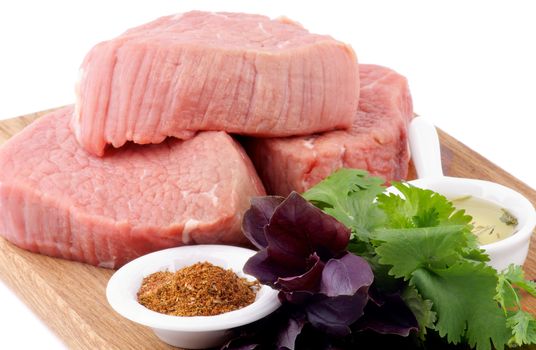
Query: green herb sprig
[418, 237]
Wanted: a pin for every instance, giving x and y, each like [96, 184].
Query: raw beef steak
[377, 141]
[234, 72]
[57, 199]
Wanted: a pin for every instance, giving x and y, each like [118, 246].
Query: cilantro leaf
[410, 249]
[421, 308]
[417, 238]
[348, 195]
[430, 244]
[515, 275]
[523, 327]
[506, 294]
[419, 207]
[462, 296]
[521, 323]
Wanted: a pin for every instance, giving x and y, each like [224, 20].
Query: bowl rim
[125, 282]
[523, 232]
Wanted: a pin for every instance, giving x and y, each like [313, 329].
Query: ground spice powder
[202, 289]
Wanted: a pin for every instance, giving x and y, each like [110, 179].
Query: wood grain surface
[70, 297]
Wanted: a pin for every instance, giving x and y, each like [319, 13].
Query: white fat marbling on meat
[211, 194]
[109, 264]
[308, 143]
[261, 27]
[189, 226]
[342, 150]
[283, 44]
[76, 113]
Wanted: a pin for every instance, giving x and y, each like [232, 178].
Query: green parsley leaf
[419, 236]
[421, 308]
[462, 295]
[506, 294]
[521, 323]
[420, 208]
[410, 249]
[523, 327]
[430, 244]
[515, 275]
[348, 195]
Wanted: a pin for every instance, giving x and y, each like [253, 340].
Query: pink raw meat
[234, 72]
[377, 141]
[58, 200]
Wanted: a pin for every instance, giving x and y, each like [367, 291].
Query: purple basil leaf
[298, 228]
[287, 336]
[345, 276]
[308, 281]
[278, 330]
[376, 295]
[391, 317]
[334, 315]
[239, 344]
[299, 297]
[257, 217]
[267, 271]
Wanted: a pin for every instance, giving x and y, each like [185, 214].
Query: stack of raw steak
[377, 140]
[197, 77]
[58, 200]
[239, 73]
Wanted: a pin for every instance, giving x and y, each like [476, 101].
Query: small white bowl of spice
[191, 296]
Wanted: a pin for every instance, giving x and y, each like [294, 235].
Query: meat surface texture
[233, 72]
[377, 141]
[58, 200]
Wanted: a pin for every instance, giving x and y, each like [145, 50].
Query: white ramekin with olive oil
[503, 219]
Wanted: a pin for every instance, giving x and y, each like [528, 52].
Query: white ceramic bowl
[513, 249]
[425, 150]
[197, 332]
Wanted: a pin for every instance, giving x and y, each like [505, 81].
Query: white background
[471, 67]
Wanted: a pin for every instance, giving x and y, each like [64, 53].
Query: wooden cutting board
[70, 297]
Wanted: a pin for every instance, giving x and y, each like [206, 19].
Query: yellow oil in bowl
[491, 223]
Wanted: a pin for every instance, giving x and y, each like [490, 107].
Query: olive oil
[491, 223]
